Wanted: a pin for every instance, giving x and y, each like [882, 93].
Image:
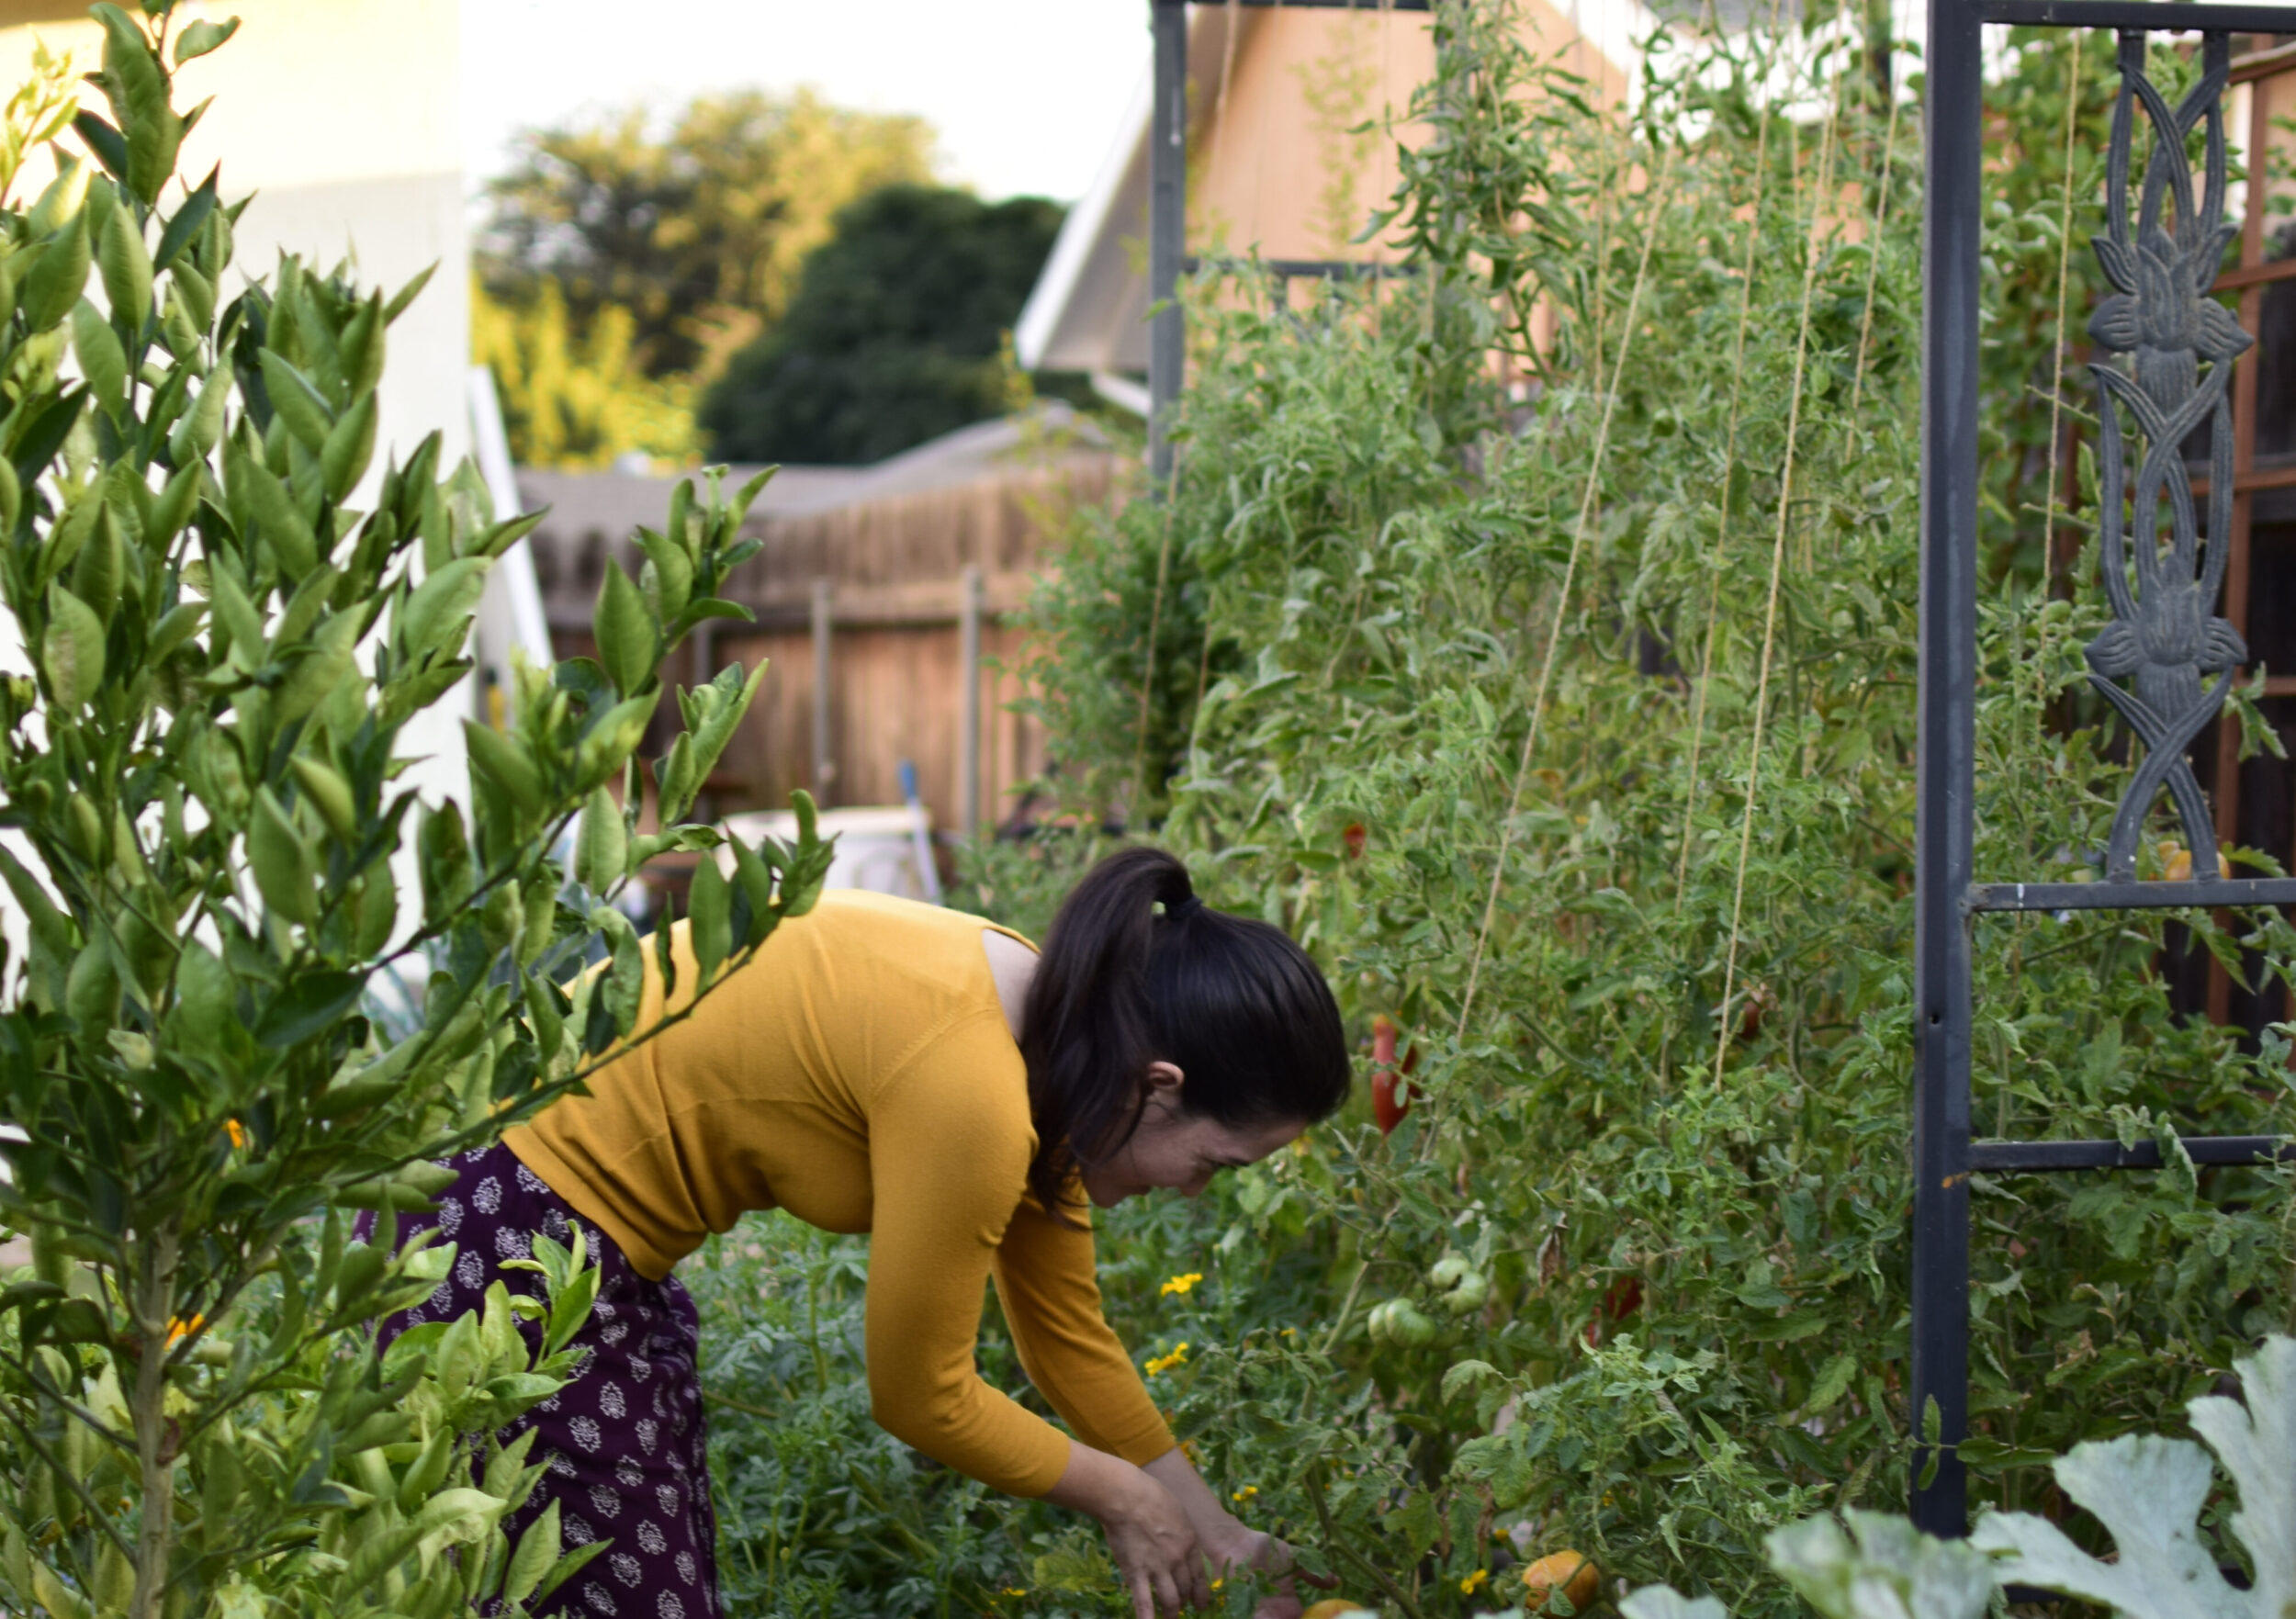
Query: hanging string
[1812, 257]
[1658, 194]
[1874, 261]
[1729, 476]
[2065, 266]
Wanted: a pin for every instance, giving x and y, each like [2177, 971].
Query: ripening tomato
[1339, 1608]
[1353, 837]
[1390, 1098]
[1573, 1574]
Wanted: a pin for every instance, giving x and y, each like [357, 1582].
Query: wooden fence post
[969, 728]
[824, 765]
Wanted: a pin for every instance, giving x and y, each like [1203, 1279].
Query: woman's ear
[1165, 1080]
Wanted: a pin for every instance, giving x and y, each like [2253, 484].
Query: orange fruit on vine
[1572, 1574]
[1338, 1608]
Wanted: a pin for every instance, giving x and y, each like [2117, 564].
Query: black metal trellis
[1167, 204]
[2163, 639]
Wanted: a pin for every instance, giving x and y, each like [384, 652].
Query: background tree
[898, 331]
[671, 244]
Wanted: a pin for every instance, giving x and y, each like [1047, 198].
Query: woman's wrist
[1216, 1527]
[1099, 1485]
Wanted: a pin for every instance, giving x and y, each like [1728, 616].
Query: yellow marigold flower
[1474, 1582]
[179, 1329]
[1164, 1363]
[1182, 1284]
[1016, 1590]
[1246, 1493]
[233, 1128]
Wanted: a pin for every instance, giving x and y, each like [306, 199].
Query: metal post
[1947, 771]
[969, 728]
[824, 765]
[1167, 226]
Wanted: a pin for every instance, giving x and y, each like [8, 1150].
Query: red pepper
[1388, 1106]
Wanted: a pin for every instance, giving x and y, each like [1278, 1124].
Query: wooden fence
[882, 579]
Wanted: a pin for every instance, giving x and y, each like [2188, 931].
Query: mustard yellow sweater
[859, 1073]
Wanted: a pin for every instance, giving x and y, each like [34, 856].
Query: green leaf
[1882, 1568]
[436, 616]
[72, 651]
[102, 140]
[349, 449]
[200, 429]
[312, 1004]
[623, 985]
[537, 1549]
[506, 762]
[601, 847]
[102, 359]
[279, 522]
[330, 794]
[629, 642]
[709, 929]
[201, 36]
[183, 228]
[97, 572]
[207, 997]
[126, 267]
[91, 991]
[58, 275]
[408, 294]
[299, 401]
[135, 86]
[1663, 1601]
[283, 864]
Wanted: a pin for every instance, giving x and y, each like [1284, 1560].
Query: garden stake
[1562, 596]
[1722, 516]
[1770, 617]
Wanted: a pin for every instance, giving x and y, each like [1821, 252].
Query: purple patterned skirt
[623, 1441]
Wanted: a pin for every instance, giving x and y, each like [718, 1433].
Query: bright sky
[1026, 94]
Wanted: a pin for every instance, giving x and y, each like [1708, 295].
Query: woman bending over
[916, 1074]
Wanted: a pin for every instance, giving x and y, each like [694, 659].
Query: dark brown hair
[1232, 1002]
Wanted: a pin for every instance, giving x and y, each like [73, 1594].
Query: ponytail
[1232, 1002]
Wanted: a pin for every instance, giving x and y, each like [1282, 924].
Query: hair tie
[1175, 909]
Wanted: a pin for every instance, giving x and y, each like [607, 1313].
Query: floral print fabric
[624, 1443]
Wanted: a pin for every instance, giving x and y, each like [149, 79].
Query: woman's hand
[1158, 1555]
[1232, 1548]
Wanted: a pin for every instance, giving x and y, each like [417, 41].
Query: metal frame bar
[1947, 901]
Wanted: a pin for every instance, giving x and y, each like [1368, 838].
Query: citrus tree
[231, 617]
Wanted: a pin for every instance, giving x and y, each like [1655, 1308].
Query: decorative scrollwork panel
[2163, 578]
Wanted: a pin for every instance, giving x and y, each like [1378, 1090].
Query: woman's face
[1175, 1149]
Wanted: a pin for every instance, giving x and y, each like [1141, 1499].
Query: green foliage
[576, 401]
[1455, 666]
[2154, 1494]
[896, 334]
[216, 859]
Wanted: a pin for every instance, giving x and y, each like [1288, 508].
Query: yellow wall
[343, 118]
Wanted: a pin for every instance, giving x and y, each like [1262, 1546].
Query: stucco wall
[343, 118]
